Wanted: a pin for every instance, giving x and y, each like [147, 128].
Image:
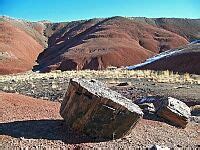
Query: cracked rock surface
[89, 106]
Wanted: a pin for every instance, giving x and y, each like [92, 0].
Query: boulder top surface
[100, 89]
[178, 106]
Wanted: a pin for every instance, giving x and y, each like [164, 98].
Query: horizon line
[30, 20]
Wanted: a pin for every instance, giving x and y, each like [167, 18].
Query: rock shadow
[154, 117]
[44, 129]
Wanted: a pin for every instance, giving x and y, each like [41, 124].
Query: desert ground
[137, 57]
[30, 104]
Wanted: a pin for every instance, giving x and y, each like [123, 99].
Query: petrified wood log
[174, 110]
[92, 108]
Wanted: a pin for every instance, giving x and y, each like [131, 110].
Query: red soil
[99, 43]
[187, 28]
[91, 44]
[19, 107]
[20, 48]
[30, 122]
[38, 27]
[185, 61]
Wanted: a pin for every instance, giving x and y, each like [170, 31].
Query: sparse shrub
[157, 76]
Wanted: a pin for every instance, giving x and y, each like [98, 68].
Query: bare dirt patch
[34, 122]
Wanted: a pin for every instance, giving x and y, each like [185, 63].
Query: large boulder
[90, 107]
[173, 110]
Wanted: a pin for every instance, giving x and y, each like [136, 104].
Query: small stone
[22, 138]
[158, 147]
[123, 84]
[195, 110]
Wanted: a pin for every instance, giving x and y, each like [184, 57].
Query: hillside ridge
[100, 42]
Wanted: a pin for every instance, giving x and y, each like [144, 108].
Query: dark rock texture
[91, 107]
[175, 111]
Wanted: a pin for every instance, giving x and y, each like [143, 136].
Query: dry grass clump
[156, 76]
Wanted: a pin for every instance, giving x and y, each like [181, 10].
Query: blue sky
[67, 10]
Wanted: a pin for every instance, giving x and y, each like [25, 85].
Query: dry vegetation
[156, 76]
[29, 114]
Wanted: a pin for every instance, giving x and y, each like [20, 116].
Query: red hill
[99, 43]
